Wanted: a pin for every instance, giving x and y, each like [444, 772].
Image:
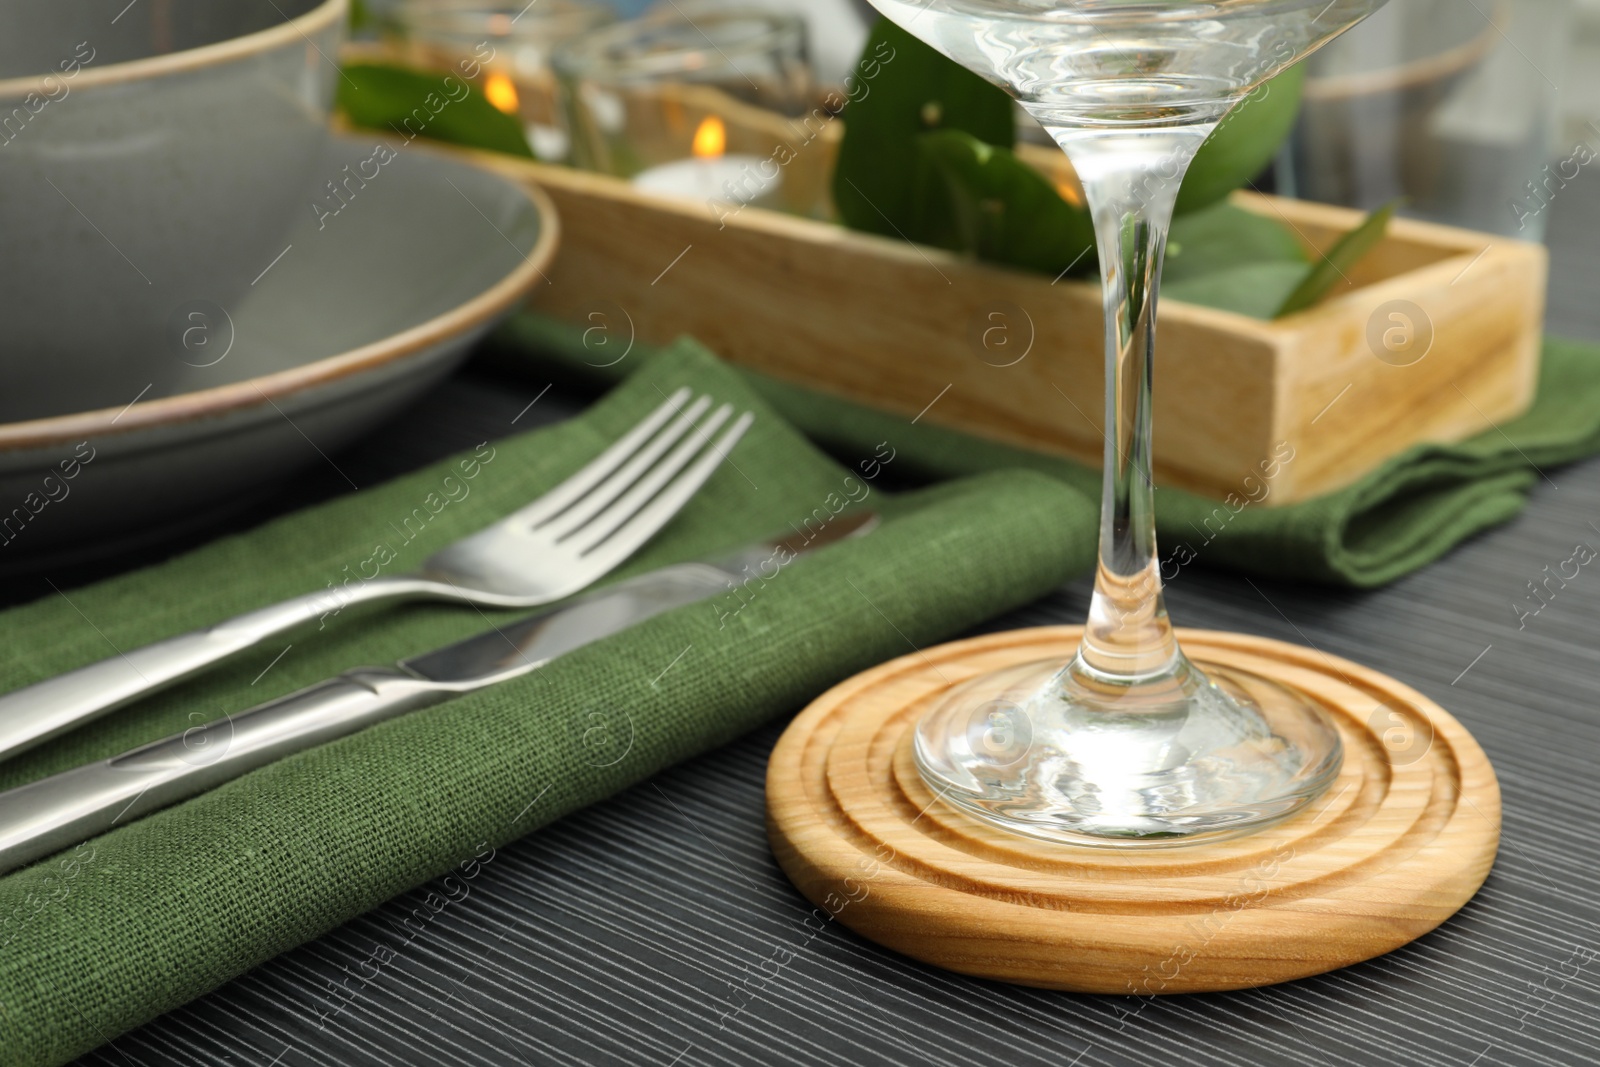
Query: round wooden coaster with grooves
[1400, 841]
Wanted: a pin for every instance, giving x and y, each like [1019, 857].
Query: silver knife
[43, 817]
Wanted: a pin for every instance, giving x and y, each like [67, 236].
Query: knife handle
[46, 709]
[54, 813]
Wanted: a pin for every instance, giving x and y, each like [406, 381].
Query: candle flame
[501, 93]
[710, 138]
[1068, 193]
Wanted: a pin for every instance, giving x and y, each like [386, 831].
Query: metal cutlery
[553, 547]
[54, 813]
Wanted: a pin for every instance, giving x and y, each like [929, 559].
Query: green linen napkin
[1406, 514]
[138, 921]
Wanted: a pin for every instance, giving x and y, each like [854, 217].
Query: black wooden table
[621, 934]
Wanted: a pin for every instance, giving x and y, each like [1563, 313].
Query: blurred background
[1476, 113]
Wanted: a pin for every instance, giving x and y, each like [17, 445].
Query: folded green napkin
[138, 921]
[1406, 514]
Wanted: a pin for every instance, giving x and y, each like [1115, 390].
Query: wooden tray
[901, 327]
[1265, 412]
[1399, 842]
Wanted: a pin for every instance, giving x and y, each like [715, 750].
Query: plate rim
[224, 399]
[318, 18]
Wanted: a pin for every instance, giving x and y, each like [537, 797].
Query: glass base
[1069, 755]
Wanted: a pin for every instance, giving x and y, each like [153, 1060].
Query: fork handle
[36, 713]
[54, 813]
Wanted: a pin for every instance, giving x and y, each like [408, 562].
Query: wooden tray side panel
[906, 329]
[1015, 358]
[1349, 404]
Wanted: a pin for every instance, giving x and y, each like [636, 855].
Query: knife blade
[43, 817]
[540, 638]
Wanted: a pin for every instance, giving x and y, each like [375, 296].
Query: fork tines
[635, 486]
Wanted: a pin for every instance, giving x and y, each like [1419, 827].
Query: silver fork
[560, 543]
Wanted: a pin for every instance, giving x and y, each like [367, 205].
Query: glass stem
[1130, 181]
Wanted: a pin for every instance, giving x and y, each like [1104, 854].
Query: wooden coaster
[1401, 840]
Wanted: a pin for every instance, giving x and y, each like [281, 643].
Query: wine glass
[1130, 744]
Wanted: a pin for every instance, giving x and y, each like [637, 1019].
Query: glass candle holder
[1453, 107]
[511, 42]
[708, 106]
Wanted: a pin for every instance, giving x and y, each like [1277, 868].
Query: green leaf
[1003, 210]
[926, 157]
[1224, 236]
[443, 107]
[1254, 289]
[1244, 142]
[882, 183]
[1339, 261]
[1236, 260]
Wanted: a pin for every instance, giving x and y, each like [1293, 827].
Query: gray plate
[364, 310]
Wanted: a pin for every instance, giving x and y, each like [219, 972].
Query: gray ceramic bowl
[152, 158]
[362, 317]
